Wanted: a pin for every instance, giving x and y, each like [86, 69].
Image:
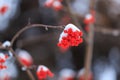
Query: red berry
[49, 3]
[89, 18]
[57, 5]
[43, 72]
[25, 58]
[3, 9]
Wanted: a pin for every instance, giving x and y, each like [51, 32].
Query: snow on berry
[57, 5]
[81, 75]
[3, 59]
[25, 58]
[66, 74]
[49, 3]
[43, 72]
[89, 18]
[71, 36]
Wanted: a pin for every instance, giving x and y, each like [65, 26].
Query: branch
[32, 26]
[89, 52]
[9, 48]
[89, 49]
[105, 31]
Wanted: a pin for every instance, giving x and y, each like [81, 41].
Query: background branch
[89, 52]
[75, 20]
[89, 47]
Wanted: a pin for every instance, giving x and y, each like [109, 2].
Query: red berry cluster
[2, 61]
[43, 72]
[3, 9]
[73, 38]
[55, 4]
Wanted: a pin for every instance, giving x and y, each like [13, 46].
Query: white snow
[24, 55]
[88, 16]
[2, 56]
[6, 44]
[66, 73]
[43, 67]
[56, 3]
[73, 27]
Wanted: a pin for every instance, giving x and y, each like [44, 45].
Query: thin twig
[74, 18]
[92, 4]
[32, 26]
[28, 71]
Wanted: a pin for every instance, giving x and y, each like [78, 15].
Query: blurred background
[42, 43]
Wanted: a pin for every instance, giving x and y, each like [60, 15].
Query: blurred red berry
[3, 9]
[49, 3]
[57, 5]
[3, 59]
[25, 58]
[89, 18]
[6, 78]
[43, 72]
[2, 66]
[87, 28]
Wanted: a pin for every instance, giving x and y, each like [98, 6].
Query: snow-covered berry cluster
[55, 4]
[43, 72]
[3, 59]
[25, 58]
[71, 36]
[89, 19]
